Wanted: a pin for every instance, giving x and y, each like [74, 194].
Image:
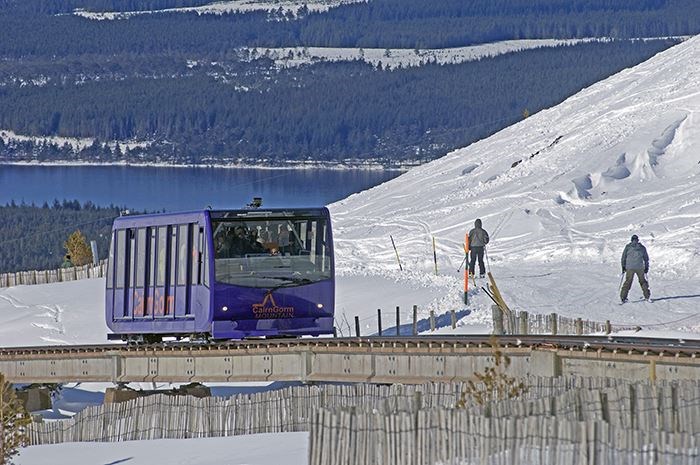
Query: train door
[182, 279]
[160, 268]
[138, 281]
[150, 287]
[131, 274]
[171, 277]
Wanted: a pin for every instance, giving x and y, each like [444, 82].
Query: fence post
[554, 323]
[497, 315]
[524, 321]
[415, 320]
[379, 320]
[608, 327]
[432, 320]
[398, 321]
[579, 326]
[357, 326]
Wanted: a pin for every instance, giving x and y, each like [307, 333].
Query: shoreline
[376, 166]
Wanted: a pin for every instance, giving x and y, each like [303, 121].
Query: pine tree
[13, 422]
[77, 247]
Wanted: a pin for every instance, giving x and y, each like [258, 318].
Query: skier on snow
[635, 261]
[478, 238]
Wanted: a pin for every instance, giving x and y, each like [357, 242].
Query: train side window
[152, 257]
[205, 258]
[322, 246]
[196, 257]
[132, 258]
[121, 250]
[141, 257]
[173, 255]
[110, 263]
[162, 254]
[182, 254]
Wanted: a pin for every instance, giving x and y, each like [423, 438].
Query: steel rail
[581, 343]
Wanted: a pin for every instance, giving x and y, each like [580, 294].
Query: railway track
[365, 359]
[671, 346]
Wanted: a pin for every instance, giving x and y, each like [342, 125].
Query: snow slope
[561, 193]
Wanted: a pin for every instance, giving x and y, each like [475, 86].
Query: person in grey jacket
[635, 261]
[478, 238]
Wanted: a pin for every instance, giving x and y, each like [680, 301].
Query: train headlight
[319, 306]
[224, 308]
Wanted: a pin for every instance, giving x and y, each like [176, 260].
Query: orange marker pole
[466, 268]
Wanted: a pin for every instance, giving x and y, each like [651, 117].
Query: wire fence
[54, 276]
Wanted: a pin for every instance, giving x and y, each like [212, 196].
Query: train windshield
[272, 252]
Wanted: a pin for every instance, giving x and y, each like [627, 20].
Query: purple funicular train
[221, 275]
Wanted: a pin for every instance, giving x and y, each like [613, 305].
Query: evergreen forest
[323, 112]
[33, 237]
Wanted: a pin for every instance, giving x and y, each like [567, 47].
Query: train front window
[284, 252]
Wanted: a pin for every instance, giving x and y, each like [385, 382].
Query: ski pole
[460, 265]
[646, 278]
[397, 252]
[466, 272]
[435, 257]
[622, 275]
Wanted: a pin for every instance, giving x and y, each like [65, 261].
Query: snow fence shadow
[423, 325]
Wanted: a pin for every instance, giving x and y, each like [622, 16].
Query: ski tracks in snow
[55, 314]
[39, 314]
[13, 301]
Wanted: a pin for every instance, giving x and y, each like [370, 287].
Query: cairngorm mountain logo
[269, 309]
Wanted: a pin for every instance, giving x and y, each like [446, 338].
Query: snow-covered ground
[258, 449]
[561, 193]
[75, 143]
[227, 6]
[393, 58]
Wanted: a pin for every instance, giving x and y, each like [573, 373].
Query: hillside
[238, 82]
[561, 193]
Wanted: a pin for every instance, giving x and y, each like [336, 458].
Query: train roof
[194, 215]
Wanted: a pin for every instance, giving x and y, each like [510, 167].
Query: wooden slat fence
[525, 323]
[450, 436]
[54, 276]
[288, 409]
[622, 423]
[672, 408]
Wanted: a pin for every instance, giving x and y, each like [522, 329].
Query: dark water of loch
[178, 189]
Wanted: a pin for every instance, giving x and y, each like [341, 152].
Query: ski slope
[561, 193]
